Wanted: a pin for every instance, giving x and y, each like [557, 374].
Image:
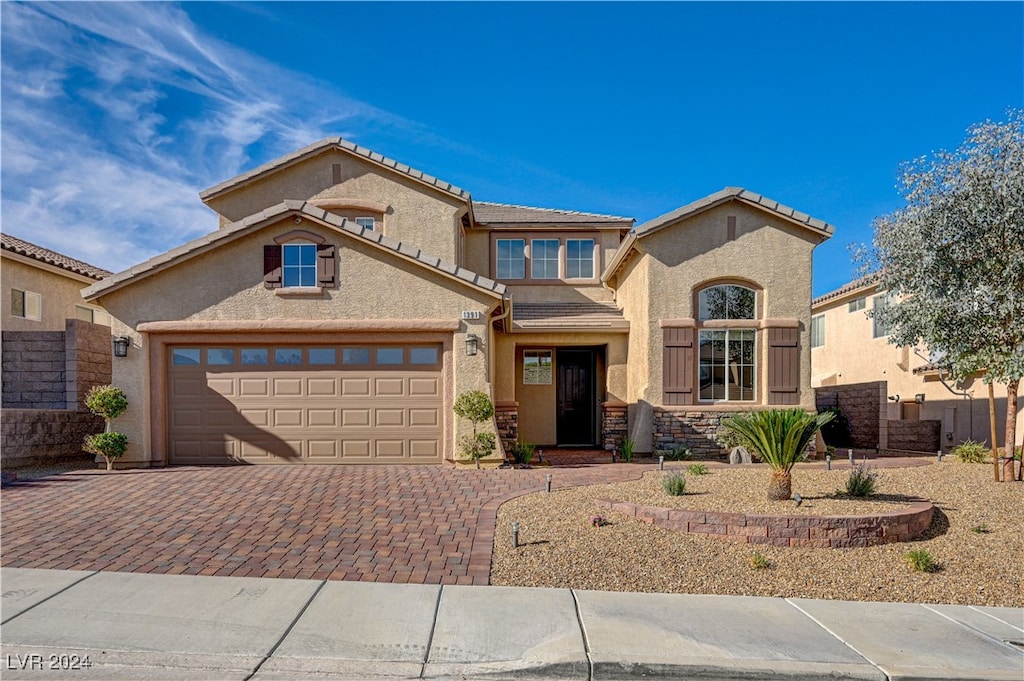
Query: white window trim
[755, 368]
[593, 258]
[298, 289]
[525, 259]
[551, 366]
[559, 253]
[820, 319]
[27, 296]
[371, 226]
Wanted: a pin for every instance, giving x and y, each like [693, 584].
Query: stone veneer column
[506, 419]
[614, 424]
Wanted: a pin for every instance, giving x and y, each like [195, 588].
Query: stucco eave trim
[304, 325]
[684, 323]
[355, 204]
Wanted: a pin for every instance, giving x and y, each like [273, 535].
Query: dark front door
[577, 408]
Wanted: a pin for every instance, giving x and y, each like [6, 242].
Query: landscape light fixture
[472, 344]
[515, 535]
[121, 344]
[798, 499]
[548, 480]
[661, 462]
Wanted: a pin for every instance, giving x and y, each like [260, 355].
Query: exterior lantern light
[121, 344]
[472, 344]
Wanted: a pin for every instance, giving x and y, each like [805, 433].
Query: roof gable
[44, 255]
[259, 220]
[321, 146]
[819, 227]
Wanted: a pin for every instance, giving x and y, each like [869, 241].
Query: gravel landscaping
[976, 538]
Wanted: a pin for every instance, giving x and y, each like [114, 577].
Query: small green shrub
[599, 521]
[697, 469]
[921, 560]
[758, 561]
[679, 453]
[971, 452]
[477, 446]
[674, 484]
[522, 452]
[983, 528]
[861, 482]
[626, 449]
[106, 401]
[109, 445]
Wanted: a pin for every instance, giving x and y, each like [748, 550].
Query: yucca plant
[779, 437]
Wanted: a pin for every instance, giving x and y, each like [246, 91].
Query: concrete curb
[141, 626]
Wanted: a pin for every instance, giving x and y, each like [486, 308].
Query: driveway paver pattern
[415, 524]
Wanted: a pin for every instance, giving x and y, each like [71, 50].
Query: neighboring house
[896, 396]
[347, 299]
[42, 288]
[55, 347]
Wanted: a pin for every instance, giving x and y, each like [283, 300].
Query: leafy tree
[953, 258]
[476, 407]
[780, 438]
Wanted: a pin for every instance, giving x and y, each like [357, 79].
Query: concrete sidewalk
[145, 626]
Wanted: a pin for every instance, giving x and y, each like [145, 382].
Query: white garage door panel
[303, 413]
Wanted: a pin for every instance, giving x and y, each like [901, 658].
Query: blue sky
[115, 115]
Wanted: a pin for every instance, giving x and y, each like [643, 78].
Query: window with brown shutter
[272, 266]
[784, 366]
[677, 366]
[326, 266]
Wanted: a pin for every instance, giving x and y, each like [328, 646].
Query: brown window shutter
[272, 266]
[326, 266]
[783, 366]
[677, 367]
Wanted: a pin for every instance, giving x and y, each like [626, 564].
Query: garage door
[305, 404]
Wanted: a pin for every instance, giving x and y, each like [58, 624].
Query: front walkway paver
[418, 524]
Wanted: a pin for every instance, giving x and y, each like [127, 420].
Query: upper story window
[857, 304]
[878, 328]
[367, 222]
[727, 301]
[511, 258]
[579, 258]
[817, 331]
[26, 304]
[299, 260]
[544, 258]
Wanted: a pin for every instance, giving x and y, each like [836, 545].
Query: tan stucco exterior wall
[426, 217]
[60, 293]
[227, 284]
[852, 355]
[771, 254]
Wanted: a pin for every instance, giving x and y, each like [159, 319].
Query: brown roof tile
[862, 282]
[490, 213]
[589, 315]
[30, 250]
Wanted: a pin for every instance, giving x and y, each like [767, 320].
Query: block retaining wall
[802, 530]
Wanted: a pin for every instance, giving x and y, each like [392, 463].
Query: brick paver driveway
[372, 523]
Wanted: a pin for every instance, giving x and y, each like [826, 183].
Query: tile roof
[30, 250]
[862, 282]
[581, 316]
[738, 193]
[490, 213]
[344, 145]
[237, 229]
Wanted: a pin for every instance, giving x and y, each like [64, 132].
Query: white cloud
[115, 116]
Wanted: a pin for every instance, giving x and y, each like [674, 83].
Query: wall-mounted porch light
[472, 344]
[919, 398]
[121, 344]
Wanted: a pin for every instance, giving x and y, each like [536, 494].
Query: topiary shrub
[971, 452]
[476, 407]
[109, 445]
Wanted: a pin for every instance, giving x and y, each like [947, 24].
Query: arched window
[727, 359]
[727, 301]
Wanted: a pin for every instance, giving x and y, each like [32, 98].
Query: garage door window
[422, 355]
[184, 356]
[254, 356]
[389, 355]
[220, 356]
[287, 356]
[355, 356]
[322, 356]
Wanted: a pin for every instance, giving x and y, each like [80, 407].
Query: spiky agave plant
[780, 438]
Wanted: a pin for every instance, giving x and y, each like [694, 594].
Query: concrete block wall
[864, 406]
[34, 363]
[914, 436]
[46, 376]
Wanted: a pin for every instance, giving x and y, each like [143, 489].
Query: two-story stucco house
[347, 299]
